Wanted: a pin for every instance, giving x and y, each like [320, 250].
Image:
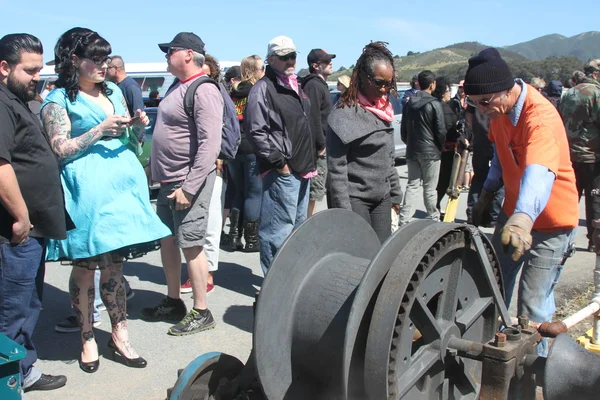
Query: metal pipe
[553, 329]
[467, 348]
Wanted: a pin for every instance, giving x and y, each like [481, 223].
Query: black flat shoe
[118, 357]
[89, 367]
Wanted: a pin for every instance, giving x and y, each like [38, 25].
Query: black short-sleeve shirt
[25, 146]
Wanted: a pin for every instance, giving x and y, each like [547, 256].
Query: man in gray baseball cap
[286, 152]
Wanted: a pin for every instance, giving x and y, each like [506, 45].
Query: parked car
[399, 146]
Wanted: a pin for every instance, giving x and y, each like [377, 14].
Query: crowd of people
[261, 147]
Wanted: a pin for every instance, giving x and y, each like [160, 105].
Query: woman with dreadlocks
[360, 145]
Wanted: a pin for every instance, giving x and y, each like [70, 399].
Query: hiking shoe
[186, 287]
[168, 310]
[69, 325]
[193, 322]
[48, 382]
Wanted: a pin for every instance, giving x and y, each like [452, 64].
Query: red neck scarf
[379, 109]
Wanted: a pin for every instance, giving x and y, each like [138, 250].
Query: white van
[150, 76]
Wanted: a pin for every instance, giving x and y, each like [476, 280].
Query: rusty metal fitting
[552, 329]
[524, 322]
[500, 340]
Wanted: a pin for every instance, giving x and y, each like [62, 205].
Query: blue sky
[234, 29]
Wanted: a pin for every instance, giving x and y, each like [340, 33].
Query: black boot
[251, 236]
[234, 230]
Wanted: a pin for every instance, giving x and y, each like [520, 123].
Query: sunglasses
[483, 103]
[379, 82]
[287, 57]
[173, 50]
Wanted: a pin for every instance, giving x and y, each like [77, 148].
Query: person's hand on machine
[516, 234]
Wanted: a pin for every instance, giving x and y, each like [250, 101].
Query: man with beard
[531, 158]
[278, 128]
[31, 202]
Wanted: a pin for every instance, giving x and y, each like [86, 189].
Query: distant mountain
[584, 46]
[434, 60]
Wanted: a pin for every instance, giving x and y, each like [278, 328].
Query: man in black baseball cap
[184, 40]
[315, 87]
[232, 75]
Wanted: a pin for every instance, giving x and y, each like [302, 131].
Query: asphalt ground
[237, 279]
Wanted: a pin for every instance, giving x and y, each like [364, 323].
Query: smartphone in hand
[134, 121]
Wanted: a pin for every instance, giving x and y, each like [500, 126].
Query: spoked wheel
[435, 291]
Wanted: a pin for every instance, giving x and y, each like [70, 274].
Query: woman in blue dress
[106, 190]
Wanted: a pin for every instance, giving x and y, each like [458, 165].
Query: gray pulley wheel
[435, 290]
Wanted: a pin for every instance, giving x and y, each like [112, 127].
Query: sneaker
[193, 322]
[48, 382]
[186, 287]
[168, 310]
[70, 325]
[130, 295]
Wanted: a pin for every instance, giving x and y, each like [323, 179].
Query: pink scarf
[379, 109]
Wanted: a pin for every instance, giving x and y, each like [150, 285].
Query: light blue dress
[106, 191]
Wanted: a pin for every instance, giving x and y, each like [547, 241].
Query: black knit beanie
[488, 73]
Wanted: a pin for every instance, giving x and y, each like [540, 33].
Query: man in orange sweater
[532, 161]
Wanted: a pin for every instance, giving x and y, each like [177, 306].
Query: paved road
[231, 303]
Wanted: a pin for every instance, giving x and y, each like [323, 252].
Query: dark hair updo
[84, 43]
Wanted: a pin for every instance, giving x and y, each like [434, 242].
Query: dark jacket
[320, 104]
[276, 122]
[239, 95]
[423, 127]
[450, 120]
[479, 130]
[407, 95]
[360, 158]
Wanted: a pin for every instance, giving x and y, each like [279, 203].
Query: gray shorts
[469, 165]
[317, 183]
[188, 226]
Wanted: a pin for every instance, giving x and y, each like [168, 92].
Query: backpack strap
[190, 93]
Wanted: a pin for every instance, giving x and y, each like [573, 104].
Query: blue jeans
[542, 266]
[248, 185]
[22, 270]
[284, 207]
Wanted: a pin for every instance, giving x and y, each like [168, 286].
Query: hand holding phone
[135, 121]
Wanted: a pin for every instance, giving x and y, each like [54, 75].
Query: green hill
[452, 62]
[438, 59]
[584, 46]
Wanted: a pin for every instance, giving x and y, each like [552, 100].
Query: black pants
[481, 167]
[378, 215]
[445, 174]
[585, 173]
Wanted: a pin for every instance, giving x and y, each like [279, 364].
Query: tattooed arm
[58, 128]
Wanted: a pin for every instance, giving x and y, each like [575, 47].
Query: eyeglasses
[287, 57]
[262, 68]
[379, 82]
[483, 103]
[173, 50]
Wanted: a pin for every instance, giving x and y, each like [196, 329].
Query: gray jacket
[360, 158]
